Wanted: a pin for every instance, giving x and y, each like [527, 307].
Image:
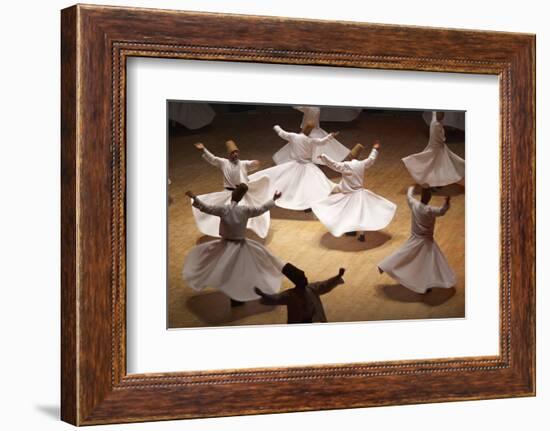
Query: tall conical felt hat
[231, 146]
[356, 151]
[239, 192]
[294, 274]
[308, 127]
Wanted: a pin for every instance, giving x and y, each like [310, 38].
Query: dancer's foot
[361, 237]
[350, 233]
[235, 303]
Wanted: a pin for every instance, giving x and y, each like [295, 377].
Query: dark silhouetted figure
[303, 302]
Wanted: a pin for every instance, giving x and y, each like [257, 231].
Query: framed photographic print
[256, 208]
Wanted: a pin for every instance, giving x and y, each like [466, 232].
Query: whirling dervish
[352, 208]
[235, 171]
[303, 301]
[301, 182]
[419, 264]
[233, 264]
[436, 165]
[334, 149]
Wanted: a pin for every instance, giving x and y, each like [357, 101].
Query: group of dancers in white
[246, 270]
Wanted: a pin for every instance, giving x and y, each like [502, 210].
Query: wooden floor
[300, 238]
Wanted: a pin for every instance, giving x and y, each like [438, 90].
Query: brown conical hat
[308, 127]
[356, 151]
[231, 146]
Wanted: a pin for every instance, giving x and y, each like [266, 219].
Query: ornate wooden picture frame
[96, 42]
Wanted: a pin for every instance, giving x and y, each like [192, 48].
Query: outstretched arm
[369, 161]
[211, 158]
[205, 208]
[439, 211]
[332, 164]
[287, 136]
[251, 165]
[271, 299]
[256, 211]
[322, 287]
[324, 139]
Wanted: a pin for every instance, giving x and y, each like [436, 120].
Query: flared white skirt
[334, 149]
[257, 195]
[360, 210]
[301, 184]
[435, 167]
[233, 267]
[419, 265]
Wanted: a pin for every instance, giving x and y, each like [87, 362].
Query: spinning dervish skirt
[233, 267]
[334, 149]
[257, 195]
[435, 167]
[356, 211]
[191, 115]
[301, 184]
[419, 265]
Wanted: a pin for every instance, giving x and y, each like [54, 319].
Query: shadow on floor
[249, 234]
[436, 296]
[350, 243]
[283, 213]
[51, 411]
[213, 308]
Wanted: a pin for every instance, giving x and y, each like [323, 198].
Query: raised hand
[277, 195]
[199, 146]
[376, 145]
[333, 134]
[341, 272]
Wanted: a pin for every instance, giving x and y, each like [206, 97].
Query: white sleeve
[208, 209]
[320, 141]
[256, 211]
[369, 161]
[250, 165]
[439, 211]
[287, 136]
[410, 196]
[211, 158]
[334, 165]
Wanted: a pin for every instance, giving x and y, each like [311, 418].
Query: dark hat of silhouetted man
[239, 192]
[296, 275]
[426, 195]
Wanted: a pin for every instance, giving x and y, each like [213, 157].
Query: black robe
[304, 303]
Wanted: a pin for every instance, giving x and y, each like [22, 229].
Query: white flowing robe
[353, 208]
[419, 264]
[191, 115]
[233, 264]
[331, 147]
[437, 165]
[299, 180]
[234, 173]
